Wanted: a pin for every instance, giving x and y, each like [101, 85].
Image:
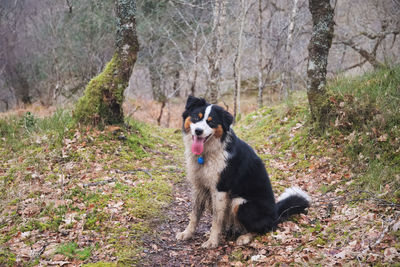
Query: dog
[228, 177]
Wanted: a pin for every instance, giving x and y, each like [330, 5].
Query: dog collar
[200, 160]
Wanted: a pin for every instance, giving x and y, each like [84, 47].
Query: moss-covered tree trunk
[103, 96]
[318, 49]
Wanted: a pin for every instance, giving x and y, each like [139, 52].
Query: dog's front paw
[210, 243]
[185, 235]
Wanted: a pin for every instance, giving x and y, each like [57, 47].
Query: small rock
[396, 226]
[50, 250]
[58, 257]
[25, 234]
[390, 254]
[258, 257]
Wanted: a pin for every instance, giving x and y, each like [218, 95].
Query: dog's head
[204, 121]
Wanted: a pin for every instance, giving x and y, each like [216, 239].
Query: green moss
[147, 199]
[236, 255]
[103, 97]
[7, 258]
[95, 219]
[71, 251]
[100, 264]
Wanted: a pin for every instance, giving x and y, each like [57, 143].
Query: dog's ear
[227, 120]
[193, 102]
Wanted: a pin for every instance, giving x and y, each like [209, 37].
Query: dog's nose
[198, 131]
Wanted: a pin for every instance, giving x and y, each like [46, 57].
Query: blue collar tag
[200, 160]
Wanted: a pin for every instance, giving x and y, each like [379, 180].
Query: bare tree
[244, 10]
[215, 57]
[369, 56]
[260, 56]
[12, 14]
[320, 43]
[287, 73]
[104, 94]
[367, 36]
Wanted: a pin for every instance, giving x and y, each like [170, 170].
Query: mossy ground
[366, 117]
[90, 194]
[350, 170]
[80, 194]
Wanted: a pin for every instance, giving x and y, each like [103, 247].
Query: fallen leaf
[390, 254]
[383, 138]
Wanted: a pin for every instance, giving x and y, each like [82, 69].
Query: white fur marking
[207, 130]
[237, 201]
[294, 191]
[207, 113]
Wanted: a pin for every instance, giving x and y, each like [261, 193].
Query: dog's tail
[292, 201]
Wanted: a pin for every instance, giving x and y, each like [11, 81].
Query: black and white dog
[228, 176]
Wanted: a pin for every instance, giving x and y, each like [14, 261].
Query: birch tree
[215, 57]
[288, 49]
[260, 56]
[244, 10]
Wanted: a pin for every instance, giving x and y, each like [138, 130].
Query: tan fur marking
[235, 210]
[219, 131]
[187, 124]
[204, 179]
[200, 116]
[209, 118]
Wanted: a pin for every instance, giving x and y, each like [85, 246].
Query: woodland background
[84, 184]
[50, 49]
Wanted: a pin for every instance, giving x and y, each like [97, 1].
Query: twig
[69, 5]
[100, 182]
[342, 200]
[379, 240]
[40, 252]
[134, 171]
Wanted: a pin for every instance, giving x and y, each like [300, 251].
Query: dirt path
[163, 249]
[333, 232]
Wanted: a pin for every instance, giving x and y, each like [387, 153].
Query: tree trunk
[103, 97]
[288, 79]
[238, 60]
[318, 49]
[215, 58]
[195, 71]
[260, 54]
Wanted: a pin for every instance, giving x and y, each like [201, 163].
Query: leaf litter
[85, 194]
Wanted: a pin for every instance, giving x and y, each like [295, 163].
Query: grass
[46, 163]
[366, 114]
[72, 251]
[364, 132]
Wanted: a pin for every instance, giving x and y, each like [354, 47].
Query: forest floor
[343, 226]
[117, 196]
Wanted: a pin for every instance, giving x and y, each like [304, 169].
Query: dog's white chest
[206, 174]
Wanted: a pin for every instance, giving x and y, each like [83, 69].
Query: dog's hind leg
[201, 196]
[245, 239]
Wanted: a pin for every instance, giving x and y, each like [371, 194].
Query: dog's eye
[211, 124]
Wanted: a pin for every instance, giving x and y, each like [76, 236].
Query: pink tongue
[197, 145]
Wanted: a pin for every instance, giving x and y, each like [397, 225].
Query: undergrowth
[113, 180]
[366, 114]
[364, 132]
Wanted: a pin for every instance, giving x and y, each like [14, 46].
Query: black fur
[220, 116]
[245, 176]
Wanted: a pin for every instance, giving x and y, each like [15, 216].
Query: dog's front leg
[199, 201]
[219, 204]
